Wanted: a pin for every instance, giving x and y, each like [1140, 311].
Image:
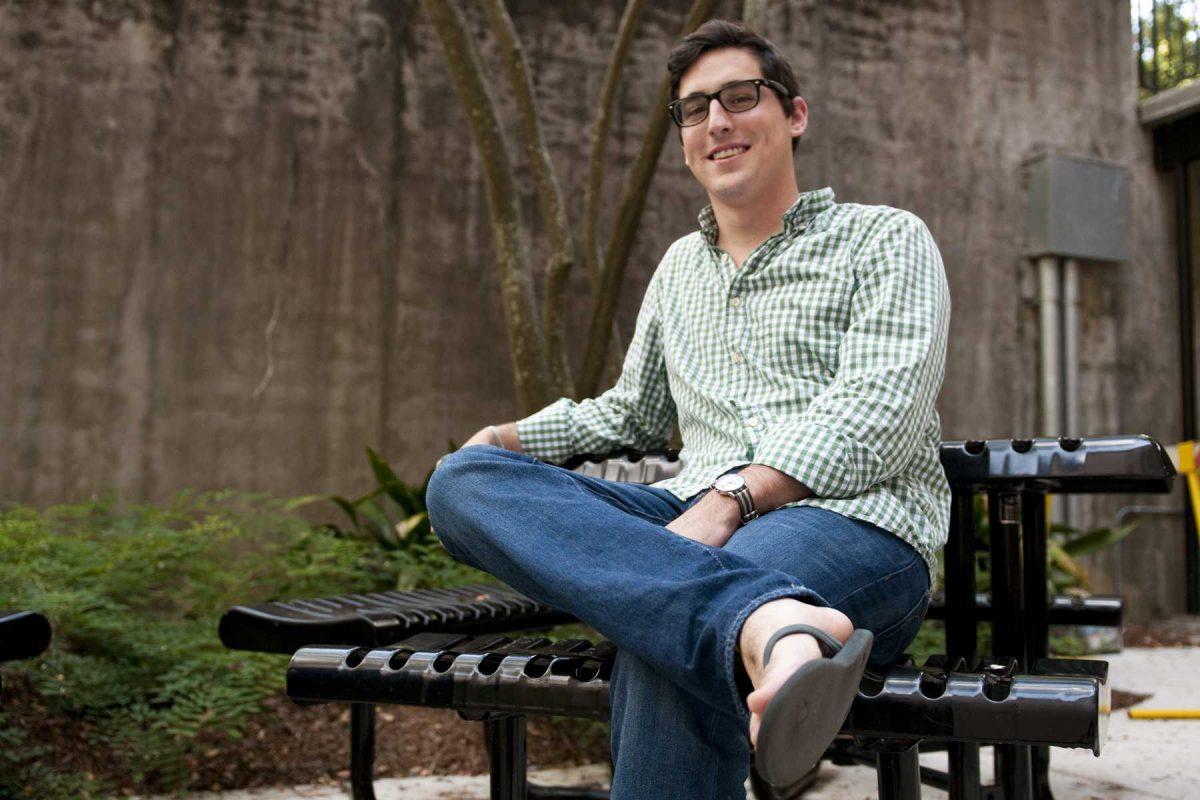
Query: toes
[757, 702]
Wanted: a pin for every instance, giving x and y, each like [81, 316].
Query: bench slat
[383, 618]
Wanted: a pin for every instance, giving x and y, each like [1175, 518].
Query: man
[799, 346]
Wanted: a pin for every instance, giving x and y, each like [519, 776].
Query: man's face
[739, 158]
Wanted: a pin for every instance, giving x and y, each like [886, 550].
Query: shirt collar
[795, 219]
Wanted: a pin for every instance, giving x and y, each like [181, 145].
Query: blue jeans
[674, 607]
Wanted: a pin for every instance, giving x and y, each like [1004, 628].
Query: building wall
[241, 242]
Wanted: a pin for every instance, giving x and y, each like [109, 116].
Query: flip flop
[811, 706]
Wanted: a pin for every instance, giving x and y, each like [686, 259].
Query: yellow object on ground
[1164, 713]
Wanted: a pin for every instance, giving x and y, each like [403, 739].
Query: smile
[728, 152]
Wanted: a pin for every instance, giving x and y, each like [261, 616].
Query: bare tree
[536, 332]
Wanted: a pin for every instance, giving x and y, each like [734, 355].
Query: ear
[798, 123]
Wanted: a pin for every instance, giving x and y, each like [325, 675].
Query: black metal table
[1016, 476]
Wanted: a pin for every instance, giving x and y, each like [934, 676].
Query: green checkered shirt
[821, 357]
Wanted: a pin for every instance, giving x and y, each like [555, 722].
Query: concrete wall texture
[242, 241]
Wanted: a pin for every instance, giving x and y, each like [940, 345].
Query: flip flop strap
[829, 645]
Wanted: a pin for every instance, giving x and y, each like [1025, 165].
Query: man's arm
[866, 425]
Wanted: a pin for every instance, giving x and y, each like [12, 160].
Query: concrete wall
[242, 241]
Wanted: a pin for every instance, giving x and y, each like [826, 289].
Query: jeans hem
[731, 637]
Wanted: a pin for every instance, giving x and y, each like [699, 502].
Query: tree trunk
[633, 200]
[526, 344]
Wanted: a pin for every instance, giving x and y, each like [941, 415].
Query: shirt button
[736, 301]
[752, 422]
[737, 357]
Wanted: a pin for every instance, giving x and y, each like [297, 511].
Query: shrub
[134, 595]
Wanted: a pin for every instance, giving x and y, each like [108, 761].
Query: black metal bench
[1015, 474]
[501, 681]
[23, 634]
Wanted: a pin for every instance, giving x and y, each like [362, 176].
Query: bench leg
[362, 751]
[899, 774]
[1014, 771]
[1041, 773]
[963, 771]
[505, 741]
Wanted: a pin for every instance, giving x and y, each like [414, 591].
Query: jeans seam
[617, 503]
[917, 608]
[916, 558]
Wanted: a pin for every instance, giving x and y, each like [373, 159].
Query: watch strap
[744, 500]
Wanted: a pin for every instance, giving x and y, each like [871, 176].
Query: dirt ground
[290, 744]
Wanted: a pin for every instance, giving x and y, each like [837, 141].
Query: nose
[718, 117]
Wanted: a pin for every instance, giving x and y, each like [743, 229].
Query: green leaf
[1062, 560]
[405, 528]
[382, 526]
[305, 500]
[1095, 540]
[348, 507]
[391, 484]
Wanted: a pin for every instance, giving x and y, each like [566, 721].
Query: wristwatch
[734, 485]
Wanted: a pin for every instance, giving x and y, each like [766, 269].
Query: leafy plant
[1064, 546]
[134, 595]
[394, 516]
[1065, 575]
[1067, 544]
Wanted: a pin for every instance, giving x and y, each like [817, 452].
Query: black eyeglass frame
[674, 108]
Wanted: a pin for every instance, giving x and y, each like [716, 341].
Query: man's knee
[460, 482]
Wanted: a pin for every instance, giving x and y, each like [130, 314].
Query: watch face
[729, 483]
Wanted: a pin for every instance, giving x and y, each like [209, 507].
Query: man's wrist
[771, 488]
[723, 507]
[509, 439]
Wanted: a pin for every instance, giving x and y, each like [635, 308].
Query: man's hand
[504, 435]
[714, 518]
[711, 521]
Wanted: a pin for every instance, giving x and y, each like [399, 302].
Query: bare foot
[790, 652]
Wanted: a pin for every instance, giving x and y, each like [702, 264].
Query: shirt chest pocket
[801, 325]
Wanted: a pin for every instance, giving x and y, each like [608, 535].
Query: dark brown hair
[719, 33]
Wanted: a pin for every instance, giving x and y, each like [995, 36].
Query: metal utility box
[1078, 208]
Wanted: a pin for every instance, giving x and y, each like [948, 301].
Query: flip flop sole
[808, 711]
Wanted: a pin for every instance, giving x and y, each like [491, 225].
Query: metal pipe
[362, 751]
[1187, 347]
[1049, 312]
[1067, 509]
[1072, 417]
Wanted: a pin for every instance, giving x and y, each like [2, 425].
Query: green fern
[134, 595]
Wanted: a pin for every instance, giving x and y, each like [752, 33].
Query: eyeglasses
[734, 97]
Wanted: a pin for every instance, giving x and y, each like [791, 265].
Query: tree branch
[633, 200]
[554, 216]
[526, 346]
[595, 180]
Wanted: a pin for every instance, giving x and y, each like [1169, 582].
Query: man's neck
[743, 228]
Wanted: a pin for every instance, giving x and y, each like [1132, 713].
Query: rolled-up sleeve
[638, 411]
[878, 410]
